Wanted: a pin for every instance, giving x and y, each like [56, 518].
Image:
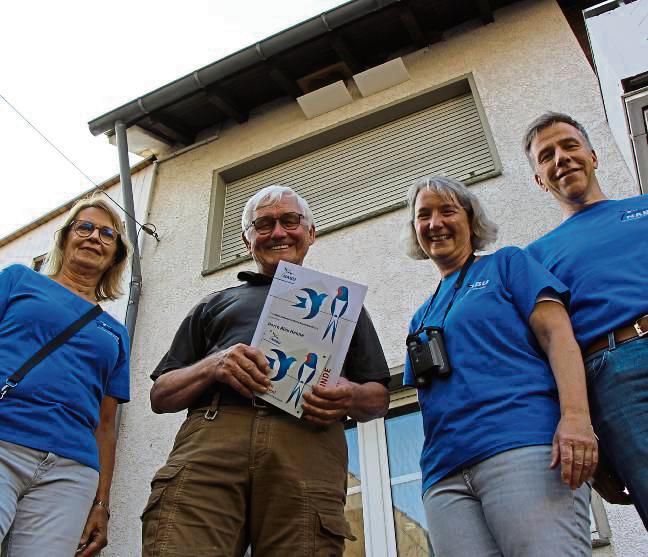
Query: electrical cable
[149, 228]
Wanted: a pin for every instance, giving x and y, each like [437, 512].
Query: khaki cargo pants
[249, 476]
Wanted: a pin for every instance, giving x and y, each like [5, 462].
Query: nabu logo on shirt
[478, 285]
[634, 214]
[106, 329]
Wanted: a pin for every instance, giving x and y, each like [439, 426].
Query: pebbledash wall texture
[526, 62]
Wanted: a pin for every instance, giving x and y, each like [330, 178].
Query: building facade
[458, 107]
[618, 35]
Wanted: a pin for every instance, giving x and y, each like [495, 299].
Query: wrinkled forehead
[556, 132]
[286, 203]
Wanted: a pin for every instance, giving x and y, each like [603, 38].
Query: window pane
[404, 444]
[37, 263]
[353, 513]
[353, 508]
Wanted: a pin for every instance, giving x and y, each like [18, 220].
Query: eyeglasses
[265, 225]
[85, 229]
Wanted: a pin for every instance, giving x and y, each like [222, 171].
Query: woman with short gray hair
[508, 440]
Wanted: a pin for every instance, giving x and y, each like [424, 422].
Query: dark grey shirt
[230, 316]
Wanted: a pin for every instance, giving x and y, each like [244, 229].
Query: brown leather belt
[637, 329]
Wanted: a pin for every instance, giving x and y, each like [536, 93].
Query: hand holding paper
[304, 331]
[242, 367]
[327, 405]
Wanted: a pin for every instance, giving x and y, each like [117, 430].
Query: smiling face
[442, 229]
[279, 244]
[565, 165]
[90, 255]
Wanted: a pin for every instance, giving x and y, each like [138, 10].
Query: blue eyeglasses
[85, 229]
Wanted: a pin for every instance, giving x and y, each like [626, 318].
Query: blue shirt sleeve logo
[634, 214]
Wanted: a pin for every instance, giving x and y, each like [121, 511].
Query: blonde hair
[109, 286]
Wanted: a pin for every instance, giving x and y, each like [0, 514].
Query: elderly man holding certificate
[241, 471]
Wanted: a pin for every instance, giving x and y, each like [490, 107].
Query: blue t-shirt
[601, 254]
[55, 408]
[501, 393]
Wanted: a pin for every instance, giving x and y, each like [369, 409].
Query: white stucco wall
[619, 42]
[526, 62]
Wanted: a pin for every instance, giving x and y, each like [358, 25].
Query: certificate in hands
[304, 331]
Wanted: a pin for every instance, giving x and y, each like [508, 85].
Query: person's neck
[569, 209]
[81, 284]
[448, 267]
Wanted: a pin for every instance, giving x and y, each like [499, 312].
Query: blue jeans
[617, 381]
[511, 505]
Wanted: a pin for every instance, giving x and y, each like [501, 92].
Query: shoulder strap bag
[46, 350]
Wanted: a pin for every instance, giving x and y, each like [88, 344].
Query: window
[353, 508]
[404, 444]
[384, 498]
[360, 168]
[636, 104]
[37, 263]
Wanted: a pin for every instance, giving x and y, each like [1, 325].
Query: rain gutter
[198, 80]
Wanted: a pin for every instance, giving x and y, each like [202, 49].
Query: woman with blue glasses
[64, 368]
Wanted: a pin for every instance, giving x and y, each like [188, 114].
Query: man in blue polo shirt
[600, 251]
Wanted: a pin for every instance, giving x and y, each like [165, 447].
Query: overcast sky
[65, 63]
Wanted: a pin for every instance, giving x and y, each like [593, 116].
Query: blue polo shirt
[501, 393]
[601, 254]
[55, 408]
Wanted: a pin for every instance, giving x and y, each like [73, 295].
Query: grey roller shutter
[369, 173]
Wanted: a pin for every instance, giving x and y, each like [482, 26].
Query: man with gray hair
[600, 252]
[242, 472]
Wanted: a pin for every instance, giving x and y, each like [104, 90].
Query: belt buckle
[211, 414]
[638, 328]
[260, 403]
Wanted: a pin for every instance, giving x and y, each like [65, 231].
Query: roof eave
[189, 84]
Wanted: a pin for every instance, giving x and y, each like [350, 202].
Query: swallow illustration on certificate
[305, 330]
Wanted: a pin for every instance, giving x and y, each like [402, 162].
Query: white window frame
[375, 486]
[636, 108]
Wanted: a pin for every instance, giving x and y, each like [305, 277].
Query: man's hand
[242, 367]
[95, 533]
[575, 448]
[326, 405]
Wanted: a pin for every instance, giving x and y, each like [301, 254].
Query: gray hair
[109, 286]
[271, 195]
[483, 231]
[544, 121]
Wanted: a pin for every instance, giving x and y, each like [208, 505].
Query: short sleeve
[119, 382]
[7, 280]
[526, 279]
[365, 359]
[408, 375]
[188, 345]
